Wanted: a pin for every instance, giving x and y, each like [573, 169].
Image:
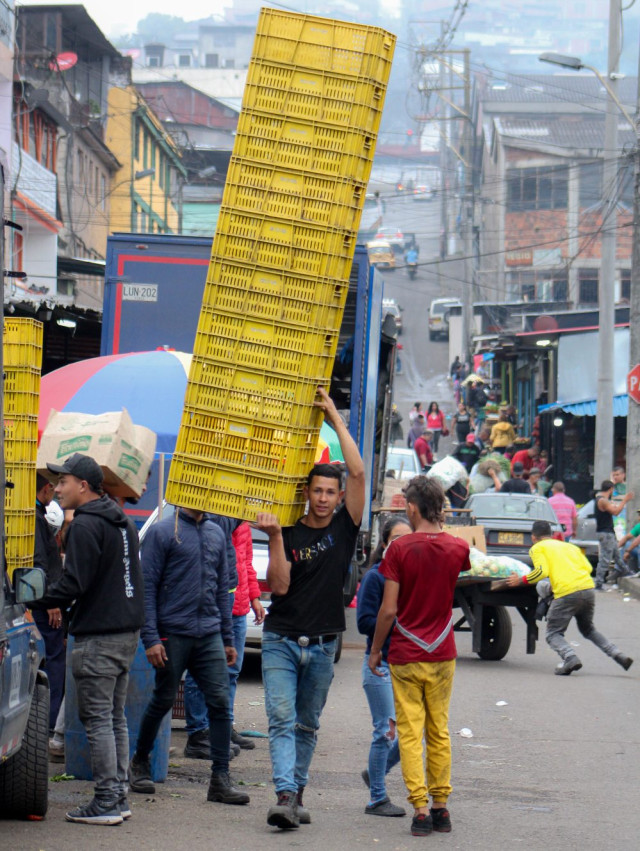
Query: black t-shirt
[515, 486]
[604, 520]
[320, 560]
[467, 454]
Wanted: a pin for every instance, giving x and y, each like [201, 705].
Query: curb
[630, 585]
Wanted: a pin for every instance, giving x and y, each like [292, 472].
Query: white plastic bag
[448, 472]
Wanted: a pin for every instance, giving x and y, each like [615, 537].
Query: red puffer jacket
[247, 588]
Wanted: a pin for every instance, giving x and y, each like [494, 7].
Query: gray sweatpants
[581, 606]
[609, 551]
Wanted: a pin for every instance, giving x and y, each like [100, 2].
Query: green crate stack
[22, 354]
[281, 260]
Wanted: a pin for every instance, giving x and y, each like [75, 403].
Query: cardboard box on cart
[124, 451]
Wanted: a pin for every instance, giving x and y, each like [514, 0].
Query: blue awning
[588, 408]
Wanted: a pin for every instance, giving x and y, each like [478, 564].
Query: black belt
[308, 640]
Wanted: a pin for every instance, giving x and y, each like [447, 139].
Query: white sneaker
[56, 750]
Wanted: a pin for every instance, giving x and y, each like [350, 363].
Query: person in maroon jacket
[422, 449]
[247, 598]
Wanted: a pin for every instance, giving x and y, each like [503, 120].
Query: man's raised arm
[354, 491]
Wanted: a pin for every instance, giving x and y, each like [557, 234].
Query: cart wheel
[496, 633]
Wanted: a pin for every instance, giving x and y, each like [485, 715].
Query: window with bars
[588, 286]
[537, 189]
[625, 286]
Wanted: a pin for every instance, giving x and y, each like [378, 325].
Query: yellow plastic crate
[274, 282]
[313, 186]
[20, 428]
[281, 232]
[263, 396]
[247, 444]
[20, 451]
[250, 301]
[23, 561]
[283, 244]
[286, 246]
[21, 391]
[289, 196]
[315, 95]
[253, 345]
[308, 146]
[22, 343]
[22, 496]
[223, 489]
[20, 529]
[312, 42]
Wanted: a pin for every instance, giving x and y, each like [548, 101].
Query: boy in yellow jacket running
[569, 573]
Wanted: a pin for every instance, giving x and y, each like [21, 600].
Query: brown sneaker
[302, 812]
[283, 814]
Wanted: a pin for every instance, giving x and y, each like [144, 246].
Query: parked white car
[403, 462]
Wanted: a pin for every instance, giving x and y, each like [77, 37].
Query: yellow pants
[422, 691]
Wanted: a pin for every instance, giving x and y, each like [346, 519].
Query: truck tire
[496, 633]
[24, 781]
[336, 658]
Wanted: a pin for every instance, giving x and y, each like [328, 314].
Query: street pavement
[425, 363]
[552, 764]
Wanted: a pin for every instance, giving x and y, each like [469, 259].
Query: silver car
[508, 518]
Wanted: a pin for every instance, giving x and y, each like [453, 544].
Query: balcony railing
[33, 180]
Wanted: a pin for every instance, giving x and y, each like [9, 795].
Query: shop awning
[587, 408]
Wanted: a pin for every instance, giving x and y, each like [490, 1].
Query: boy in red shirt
[421, 571]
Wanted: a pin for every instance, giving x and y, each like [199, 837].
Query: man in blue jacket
[188, 627]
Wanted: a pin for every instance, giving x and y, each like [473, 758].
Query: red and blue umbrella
[150, 385]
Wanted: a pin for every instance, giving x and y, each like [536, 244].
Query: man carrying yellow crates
[308, 563]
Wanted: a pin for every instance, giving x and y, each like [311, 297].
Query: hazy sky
[115, 17]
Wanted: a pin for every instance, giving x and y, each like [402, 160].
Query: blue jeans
[100, 665]
[634, 559]
[195, 708]
[296, 684]
[55, 663]
[384, 752]
[205, 659]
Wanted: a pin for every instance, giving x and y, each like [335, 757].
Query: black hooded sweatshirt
[101, 572]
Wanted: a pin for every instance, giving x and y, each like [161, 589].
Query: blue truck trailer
[153, 293]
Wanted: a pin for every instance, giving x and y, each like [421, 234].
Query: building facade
[65, 64]
[542, 195]
[146, 189]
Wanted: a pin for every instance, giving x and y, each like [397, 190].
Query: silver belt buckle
[303, 641]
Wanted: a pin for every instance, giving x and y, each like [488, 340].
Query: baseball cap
[518, 467]
[82, 467]
[470, 438]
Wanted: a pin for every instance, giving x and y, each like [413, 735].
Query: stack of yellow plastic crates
[279, 272]
[22, 364]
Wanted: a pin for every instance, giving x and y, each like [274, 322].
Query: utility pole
[444, 161]
[633, 415]
[467, 216]
[603, 455]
